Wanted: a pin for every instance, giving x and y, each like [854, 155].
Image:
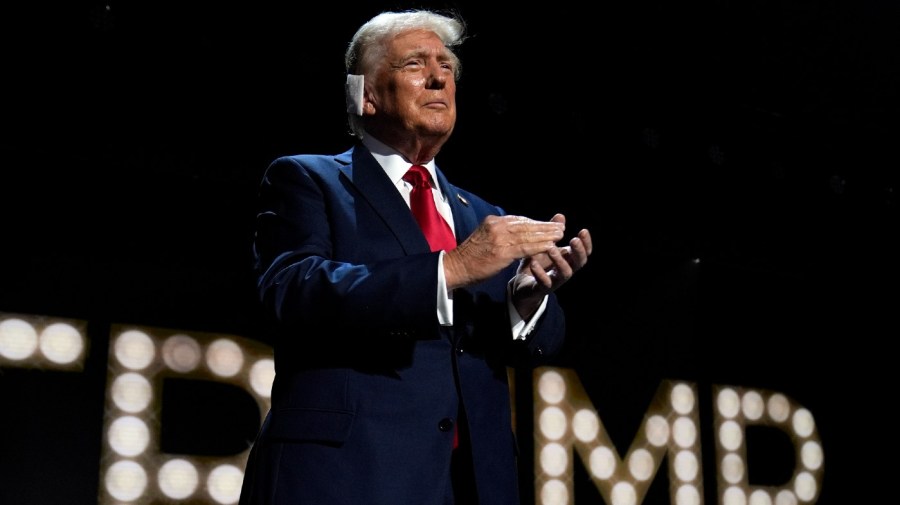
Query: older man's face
[414, 89]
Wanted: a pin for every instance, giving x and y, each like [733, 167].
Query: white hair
[367, 46]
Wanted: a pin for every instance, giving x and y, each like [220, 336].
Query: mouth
[436, 104]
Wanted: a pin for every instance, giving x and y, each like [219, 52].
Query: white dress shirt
[396, 166]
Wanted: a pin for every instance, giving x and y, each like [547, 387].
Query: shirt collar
[395, 165]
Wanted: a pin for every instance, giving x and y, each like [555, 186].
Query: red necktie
[421, 202]
[434, 226]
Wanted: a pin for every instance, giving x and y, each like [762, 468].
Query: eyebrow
[421, 52]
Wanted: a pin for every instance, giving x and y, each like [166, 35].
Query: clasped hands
[500, 240]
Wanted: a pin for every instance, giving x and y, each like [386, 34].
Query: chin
[437, 129]
[436, 136]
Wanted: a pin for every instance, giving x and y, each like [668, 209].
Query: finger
[578, 253]
[538, 234]
[554, 235]
[585, 237]
[536, 241]
[541, 275]
[519, 224]
[543, 259]
[534, 249]
[561, 264]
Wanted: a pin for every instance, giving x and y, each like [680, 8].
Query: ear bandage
[354, 92]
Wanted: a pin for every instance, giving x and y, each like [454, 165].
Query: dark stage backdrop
[735, 161]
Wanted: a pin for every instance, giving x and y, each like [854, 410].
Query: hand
[541, 274]
[495, 244]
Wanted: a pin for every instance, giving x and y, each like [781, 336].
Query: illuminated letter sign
[566, 419]
[136, 468]
[133, 469]
[735, 408]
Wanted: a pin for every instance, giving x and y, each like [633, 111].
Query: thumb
[558, 218]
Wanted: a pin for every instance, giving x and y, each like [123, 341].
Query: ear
[368, 104]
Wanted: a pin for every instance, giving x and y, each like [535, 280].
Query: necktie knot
[421, 202]
[418, 176]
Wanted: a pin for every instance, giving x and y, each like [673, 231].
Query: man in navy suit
[391, 384]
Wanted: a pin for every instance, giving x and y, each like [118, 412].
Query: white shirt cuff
[444, 297]
[521, 328]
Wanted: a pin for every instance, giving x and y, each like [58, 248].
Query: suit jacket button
[459, 350]
[446, 424]
[539, 351]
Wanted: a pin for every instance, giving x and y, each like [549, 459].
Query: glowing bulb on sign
[131, 392]
[61, 343]
[178, 479]
[18, 339]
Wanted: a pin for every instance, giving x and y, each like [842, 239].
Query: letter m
[566, 419]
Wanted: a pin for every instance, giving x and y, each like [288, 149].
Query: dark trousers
[462, 473]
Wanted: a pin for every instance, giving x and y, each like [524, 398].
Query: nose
[437, 76]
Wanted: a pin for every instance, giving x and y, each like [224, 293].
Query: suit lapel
[373, 185]
[464, 219]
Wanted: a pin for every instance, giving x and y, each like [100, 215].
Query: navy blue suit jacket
[367, 382]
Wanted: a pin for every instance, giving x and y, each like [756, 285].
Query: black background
[735, 162]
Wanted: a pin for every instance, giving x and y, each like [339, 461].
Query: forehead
[415, 41]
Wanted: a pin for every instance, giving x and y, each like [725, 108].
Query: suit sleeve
[311, 289]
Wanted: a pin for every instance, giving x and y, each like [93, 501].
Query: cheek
[450, 90]
[415, 84]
